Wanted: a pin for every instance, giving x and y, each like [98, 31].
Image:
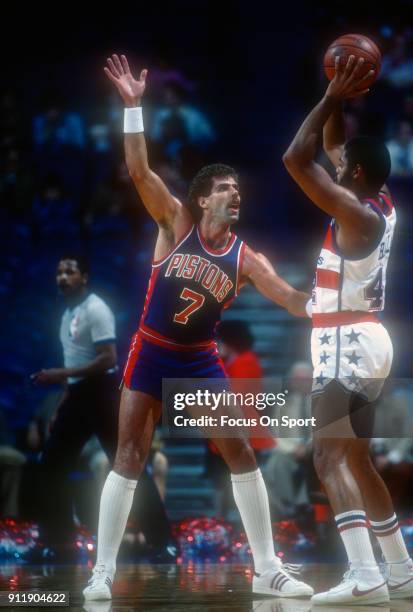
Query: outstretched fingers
[110, 75]
[113, 68]
[125, 64]
[117, 63]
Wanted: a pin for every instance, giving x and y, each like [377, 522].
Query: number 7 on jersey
[197, 300]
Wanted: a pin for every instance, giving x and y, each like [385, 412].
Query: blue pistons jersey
[188, 290]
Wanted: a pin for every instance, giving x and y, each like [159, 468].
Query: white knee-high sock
[355, 535]
[390, 539]
[115, 504]
[251, 497]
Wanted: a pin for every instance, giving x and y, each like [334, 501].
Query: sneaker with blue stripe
[278, 582]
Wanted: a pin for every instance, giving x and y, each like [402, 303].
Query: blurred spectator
[401, 150]
[286, 472]
[15, 184]
[59, 140]
[397, 64]
[177, 123]
[12, 127]
[394, 421]
[115, 202]
[407, 110]
[55, 127]
[242, 365]
[243, 368]
[158, 464]
[53, 212]
[393, 453]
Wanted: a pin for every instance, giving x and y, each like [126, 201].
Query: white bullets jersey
[343, 284]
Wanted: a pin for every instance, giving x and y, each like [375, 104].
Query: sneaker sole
[352, 601]
[262, 590]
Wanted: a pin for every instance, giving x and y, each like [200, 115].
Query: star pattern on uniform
[353, 379]
[319, 380]
[353, 358]
[325, 339]
[353, 336]
[324, 357]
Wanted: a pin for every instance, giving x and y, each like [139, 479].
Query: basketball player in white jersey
[351, 350]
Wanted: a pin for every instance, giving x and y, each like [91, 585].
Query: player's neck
[365, 193]
[74, 300]
[215, 234]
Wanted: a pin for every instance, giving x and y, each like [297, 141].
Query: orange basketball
[359, 46]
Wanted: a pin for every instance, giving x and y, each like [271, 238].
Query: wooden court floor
[176, 588]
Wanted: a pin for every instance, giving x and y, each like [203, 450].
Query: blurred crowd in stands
[64, 186]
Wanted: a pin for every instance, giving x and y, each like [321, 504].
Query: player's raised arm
[165, 209]
[335, 200]
[334, 135]
[258, 270]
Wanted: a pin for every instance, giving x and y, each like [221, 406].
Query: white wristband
[309, 308]
[133, 121]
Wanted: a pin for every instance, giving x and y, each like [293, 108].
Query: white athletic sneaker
[99, 586]
[279, 583]
[399, 577]
[359, 587]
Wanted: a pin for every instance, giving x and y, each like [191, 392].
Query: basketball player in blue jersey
[198, 268]
[351, 349]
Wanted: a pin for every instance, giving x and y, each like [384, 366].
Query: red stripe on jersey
[156, 338]
[211, 251]
[328, 243]
[346, 317]
[327, 279]
[149, 292]
[241, 257]
[387, 202]
[383, 203]
[136, 346]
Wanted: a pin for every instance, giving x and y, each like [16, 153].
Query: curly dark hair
[201, 185]
[82, 261]
[373, 156]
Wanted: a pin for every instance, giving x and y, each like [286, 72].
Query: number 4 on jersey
[197, 301]
[374, 292]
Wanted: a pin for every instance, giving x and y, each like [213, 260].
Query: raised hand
[348, 81]
[119, 73]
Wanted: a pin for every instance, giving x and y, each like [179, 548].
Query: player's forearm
[296, 304]
[136, 156]
[303, 148]
[334, 132]
[100, 364]
[281, 293]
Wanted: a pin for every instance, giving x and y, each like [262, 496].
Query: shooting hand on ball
[349, 80]
[119, 73]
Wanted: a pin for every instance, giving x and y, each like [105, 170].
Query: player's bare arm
[334, 135]
[171, 216]
[359, 225]
[258, 270]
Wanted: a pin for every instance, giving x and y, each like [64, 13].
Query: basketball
[359, 46]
